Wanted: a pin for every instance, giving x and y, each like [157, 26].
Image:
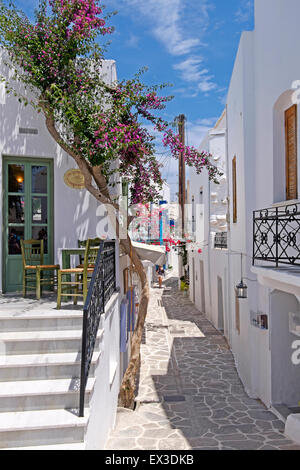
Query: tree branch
[127, 390]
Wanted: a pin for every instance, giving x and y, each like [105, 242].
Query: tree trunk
[127, 389]
[101, 193]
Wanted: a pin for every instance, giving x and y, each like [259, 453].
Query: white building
[263, 176]
[35, 198]
[208, 206]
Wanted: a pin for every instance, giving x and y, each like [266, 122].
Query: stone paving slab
[190, 395]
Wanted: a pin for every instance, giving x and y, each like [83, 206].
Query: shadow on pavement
[202, 395]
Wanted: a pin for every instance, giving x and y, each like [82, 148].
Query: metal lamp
[241, 290]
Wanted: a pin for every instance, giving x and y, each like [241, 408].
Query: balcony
[276, 236]
[276, 247]
[221, 240]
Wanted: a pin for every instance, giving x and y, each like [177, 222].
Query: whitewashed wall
[260, 92]
[211, 210]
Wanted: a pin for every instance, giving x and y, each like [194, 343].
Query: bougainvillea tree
[104, 128]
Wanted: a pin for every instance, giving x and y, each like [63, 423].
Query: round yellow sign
[74, 179]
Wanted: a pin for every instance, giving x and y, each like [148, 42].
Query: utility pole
[180, 120]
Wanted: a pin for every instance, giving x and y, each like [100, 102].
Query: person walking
[160, 274]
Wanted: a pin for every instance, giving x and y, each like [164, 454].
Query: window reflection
[39, 179]
[16, 234]
[16, 178]
[16, 206]
[39, 210]
[40, 233]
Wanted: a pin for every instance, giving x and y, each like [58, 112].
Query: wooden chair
[82, 244]
[82, 275]
[33, 267]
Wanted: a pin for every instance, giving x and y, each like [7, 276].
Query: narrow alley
[190, 395]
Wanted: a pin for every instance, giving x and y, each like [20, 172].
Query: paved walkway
[190, 396]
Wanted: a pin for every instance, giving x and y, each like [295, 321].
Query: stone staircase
[39, 378]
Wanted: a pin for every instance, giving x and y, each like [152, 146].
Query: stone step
[39, 428]
[44, 366]
[31, 342]
[32, 395]
[40, 322]
[75, 446]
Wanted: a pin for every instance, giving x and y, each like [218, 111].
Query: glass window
[39, 210]
[15, 235]
[39, 179]
[16, 206]
[16, 178]
[40, 233]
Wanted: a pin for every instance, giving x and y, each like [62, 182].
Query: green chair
[82, 244]
[34, 267]
[78, 286]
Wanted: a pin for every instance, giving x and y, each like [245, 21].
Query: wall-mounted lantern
[241, 288]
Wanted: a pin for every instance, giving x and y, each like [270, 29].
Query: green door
[28, 213]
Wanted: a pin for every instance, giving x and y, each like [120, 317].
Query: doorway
[285, 373]
[28, 213]
[194, 283]
[202, 287]
[220, 305]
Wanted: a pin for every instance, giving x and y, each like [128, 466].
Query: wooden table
[66, 254]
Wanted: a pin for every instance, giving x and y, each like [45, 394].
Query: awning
[155, 254]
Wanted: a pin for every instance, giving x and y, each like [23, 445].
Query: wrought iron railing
[221, 240]
[276, 235]
[102, 287]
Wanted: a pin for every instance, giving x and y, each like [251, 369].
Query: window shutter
[291, 153]
[234, 191]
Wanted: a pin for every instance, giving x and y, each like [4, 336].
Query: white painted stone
[292, 427]
[41, 427]
[76, 446]
[30, 342]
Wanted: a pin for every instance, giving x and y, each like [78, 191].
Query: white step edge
[73, 446]
[40, 316]
[29, 388]
[37, 360]
[21, 336]
[41, 419]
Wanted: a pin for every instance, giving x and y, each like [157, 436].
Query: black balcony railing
[276, 235]
[221, 240]
[102, 287]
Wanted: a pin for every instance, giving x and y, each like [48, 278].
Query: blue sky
[189, 43]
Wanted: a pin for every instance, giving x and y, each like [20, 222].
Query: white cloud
[207, 85]
[132, 41]
[207, 121]
[196, 131]
[243, 14]
[180, 27]
[165, 19]
[191, 71]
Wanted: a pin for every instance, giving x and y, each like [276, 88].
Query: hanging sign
[74, 179]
